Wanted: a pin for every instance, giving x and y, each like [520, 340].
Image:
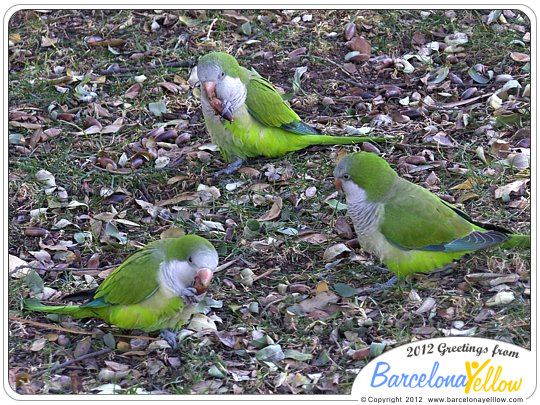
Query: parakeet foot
[189, 295]
[231, 168]
[170, 337]
[379, 268]
[227, 111]
[381, 287]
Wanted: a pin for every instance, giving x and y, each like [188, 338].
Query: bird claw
[169, 337]
[230, 169]
[227, 111]
[189, 295]
[222, 108]
[380, 287]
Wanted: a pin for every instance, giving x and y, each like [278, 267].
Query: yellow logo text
[487, 382]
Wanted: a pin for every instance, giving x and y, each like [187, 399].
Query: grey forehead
[341, 168]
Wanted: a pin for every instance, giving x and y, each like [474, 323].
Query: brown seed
[91, 121]
[65, 116]
[452, 59]
[416, 160]
[350, 31]
[369, 147]
[299, 288]
[471, 91]
[137, 162]
[104, 161]
[93, 262]
[393, 91]
[155, 132]
[183, 138]
[353, 243]
[35, 232]
[167, 136]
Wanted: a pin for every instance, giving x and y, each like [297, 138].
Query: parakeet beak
[202, 280]
[209, 88]
[339, 186]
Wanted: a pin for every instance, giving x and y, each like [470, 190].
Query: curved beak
[339, 185]
[202, 280]
[209, 88]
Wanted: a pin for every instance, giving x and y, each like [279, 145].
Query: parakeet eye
[190, 260]
[346, 176]
[222, 74]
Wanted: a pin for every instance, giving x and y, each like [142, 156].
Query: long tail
[72, 310]
[518, 241]
[338, 140]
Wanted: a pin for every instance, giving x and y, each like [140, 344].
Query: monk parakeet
[406, 226]
[151, 290]
[246, 117]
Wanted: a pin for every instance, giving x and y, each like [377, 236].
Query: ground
[108, 151]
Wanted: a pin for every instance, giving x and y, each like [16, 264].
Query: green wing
[414, 218]
[135, 280]
[265, 104]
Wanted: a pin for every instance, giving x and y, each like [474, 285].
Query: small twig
[335, 64]
[127, 69]
[24, 266]
[73, 331]
[210, 29]
[124, 173]
[225, 265]
[75, 360]
[144, 190]
[266, 273]
[49, 326]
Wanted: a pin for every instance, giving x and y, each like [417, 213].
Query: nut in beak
[202, 280]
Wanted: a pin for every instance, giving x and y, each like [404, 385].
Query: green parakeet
[246, 117]
[152, 289]
[407, 227]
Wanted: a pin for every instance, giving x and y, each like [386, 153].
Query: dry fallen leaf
[274, 212]
[520, 57]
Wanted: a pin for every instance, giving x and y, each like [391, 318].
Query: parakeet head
[364, 176]
[213, 68]
[191, 262]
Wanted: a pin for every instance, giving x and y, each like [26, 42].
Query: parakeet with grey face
[152, 289]
[407, 227]
[246, 117]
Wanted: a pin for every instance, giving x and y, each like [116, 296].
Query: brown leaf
[172, 87]
[418, 38]
[39, 344]
[93, 262]
[114, 127]
[314, 238]
[188, 196]
[83, 347]
[360, 44]
[133, 91]
[343, 228]
[520, 57]
[47, 42]
[350, 67]
[274, 212]
[114, 366]
[322, 286]
[297, 53]
[321, 302]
